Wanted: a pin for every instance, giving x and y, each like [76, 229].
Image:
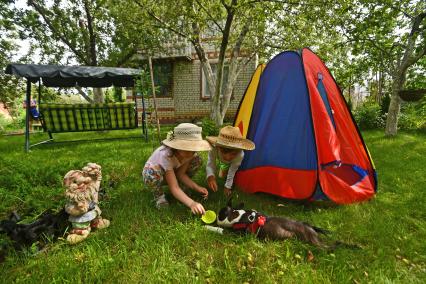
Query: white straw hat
[230, 137]
[187, 137]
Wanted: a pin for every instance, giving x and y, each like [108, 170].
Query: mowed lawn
[145, 245]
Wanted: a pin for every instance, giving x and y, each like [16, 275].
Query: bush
[369, 116]
[413, 116]
[209, 127]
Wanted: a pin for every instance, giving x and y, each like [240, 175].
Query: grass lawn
[146, 245]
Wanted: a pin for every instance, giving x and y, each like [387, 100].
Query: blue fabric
[362, 173]
[324, 98]
[34, 113]
[281, 125]
[319, 194]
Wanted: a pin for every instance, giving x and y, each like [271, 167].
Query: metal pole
[154, 97]
[27, 117]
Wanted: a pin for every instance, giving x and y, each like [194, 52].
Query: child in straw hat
[177, 160]
[228, 152]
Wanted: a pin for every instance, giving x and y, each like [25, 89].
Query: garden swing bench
[57, 118]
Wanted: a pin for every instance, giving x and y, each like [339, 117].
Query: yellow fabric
[244, 112]
[371, 159]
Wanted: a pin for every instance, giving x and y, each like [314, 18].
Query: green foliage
[150, 246]
[384, 104]
[413, 116]
[368, 116]
[143, 83]
[209, 127]
[118, 94]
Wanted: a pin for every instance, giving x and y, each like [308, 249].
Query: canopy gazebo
[80, 76]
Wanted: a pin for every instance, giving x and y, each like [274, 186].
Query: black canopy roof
[72, 76]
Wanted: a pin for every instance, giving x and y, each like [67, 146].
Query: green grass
[146, 245]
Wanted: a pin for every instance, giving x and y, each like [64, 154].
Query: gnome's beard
[79, 195]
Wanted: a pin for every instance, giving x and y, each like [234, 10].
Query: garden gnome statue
[82, 201]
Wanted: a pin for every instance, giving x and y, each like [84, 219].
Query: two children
[177, 160]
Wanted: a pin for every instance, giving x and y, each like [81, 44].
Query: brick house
[183, 94]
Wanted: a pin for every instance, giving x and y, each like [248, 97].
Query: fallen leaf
[310, 256]
[406, 261]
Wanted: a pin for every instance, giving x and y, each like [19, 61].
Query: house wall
[186, 103]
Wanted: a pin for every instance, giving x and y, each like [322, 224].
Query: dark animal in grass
[48, 226]
[271, 228]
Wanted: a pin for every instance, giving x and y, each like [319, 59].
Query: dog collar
[252, 227]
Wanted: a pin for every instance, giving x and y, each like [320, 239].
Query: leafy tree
[10, 87]
[77, 31]
[239, 29]
[392, 34]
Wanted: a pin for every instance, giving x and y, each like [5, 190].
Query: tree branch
[57, 33]
[92, 36]
[210, 16]
[163, 23]
[84, 95]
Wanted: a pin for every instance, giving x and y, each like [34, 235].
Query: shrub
[413, 116]
[368, 116]
[209, 127]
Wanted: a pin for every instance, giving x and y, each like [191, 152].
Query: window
[163, 78]
[205, 91]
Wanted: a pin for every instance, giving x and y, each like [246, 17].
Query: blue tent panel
[281, 124]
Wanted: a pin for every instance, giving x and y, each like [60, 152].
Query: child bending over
[227, 154]
[177, 160]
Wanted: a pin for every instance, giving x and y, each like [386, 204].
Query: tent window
[323, 94]
[351, 174]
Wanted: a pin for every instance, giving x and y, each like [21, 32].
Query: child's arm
[211, 170]
[177, 192]
[186, 180]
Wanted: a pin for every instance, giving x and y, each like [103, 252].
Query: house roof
[72, 76]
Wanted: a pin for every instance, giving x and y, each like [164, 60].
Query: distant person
[34, 114]
[177, 160]
[225, 157]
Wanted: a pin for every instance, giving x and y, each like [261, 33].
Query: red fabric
[343, 144]
[251, 227]
[287, 183]
[241, 127]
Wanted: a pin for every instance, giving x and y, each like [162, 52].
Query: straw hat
[230, 137]
[187, 137]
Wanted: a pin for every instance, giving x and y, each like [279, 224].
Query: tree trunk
[394, 105]
[393, 112]
[380, 88]
[98, 96]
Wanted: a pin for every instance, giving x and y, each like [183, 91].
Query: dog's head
[229, 215]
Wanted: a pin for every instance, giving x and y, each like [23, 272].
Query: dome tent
[307, 143]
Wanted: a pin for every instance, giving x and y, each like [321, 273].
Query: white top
[163, 156]
[233, 165]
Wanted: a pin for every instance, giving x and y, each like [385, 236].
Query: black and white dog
[267, 228]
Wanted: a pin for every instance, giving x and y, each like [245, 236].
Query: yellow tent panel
[242, 120]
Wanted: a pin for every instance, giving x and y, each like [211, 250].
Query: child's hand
[197, 208]
[211, 182]
[204, 192]
[227, 191]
